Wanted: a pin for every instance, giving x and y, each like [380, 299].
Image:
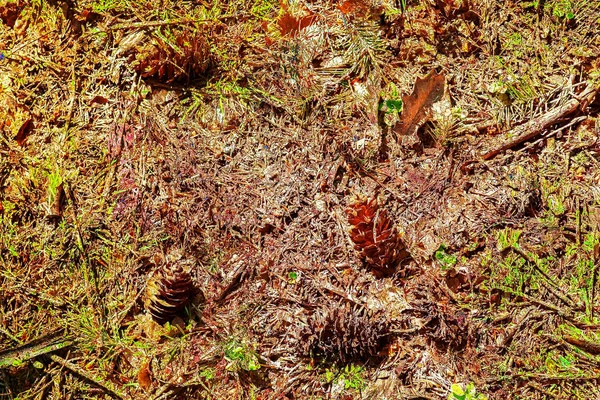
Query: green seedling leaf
[447, 260]
[391, 106]
[292, 276]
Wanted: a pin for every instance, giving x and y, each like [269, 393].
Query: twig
[553, 287]
[101, 383]
[548, 306]
[240, 274]
[582, 344]
[83, 249]
[532, 128]
[541, 390]
[594, 279]
[329, 287]
[148, 24]
[73, 89]
[33, 349]
[559, 377]
[154, 24]
[574, 121]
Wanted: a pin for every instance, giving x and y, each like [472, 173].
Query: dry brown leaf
[417, 107]
[98, 100]
[290, 25]
[185, 56]
[25, 127]
[145, 377]
[15, 121]
[22, 23]
[362, 9]
[354, 7]
[9, 13]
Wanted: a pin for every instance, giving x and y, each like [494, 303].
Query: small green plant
[508, 238]
[391, 106]
[292, 277]
[262, 8]
[240, 357]
[350, 376]
[468, 393]
[445, 259]
[102, 6]
[590, 241]
[207, 373]
[563, 9]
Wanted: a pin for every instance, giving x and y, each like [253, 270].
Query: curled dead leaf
[290, 25]
[99, 100]
[418, 106]
[360, 9]
[16, 121]
[9, 12]
[145, 377]
[25, 128]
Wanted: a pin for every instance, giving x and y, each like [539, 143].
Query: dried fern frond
[374, 236]
[168, 293]
[345, 335]
[179, 56]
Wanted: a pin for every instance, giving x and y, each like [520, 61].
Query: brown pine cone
[168, 293]
[345, 335]
[374, 236]
[179, 57]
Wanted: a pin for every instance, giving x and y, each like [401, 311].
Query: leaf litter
[195, 166]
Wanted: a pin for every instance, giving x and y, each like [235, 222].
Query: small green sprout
[469, 393]
[292, 277]
[240, 356]
[445, 259]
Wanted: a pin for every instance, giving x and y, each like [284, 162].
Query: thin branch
[77, 370]
[532, 128]
[33, 349]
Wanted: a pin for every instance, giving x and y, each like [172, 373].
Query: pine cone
[345, 335]
[374, 236]
[182, 56]
[168, 292]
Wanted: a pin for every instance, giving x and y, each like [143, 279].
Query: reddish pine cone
[374, 236]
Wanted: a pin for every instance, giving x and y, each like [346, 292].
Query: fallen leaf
[290, 25]
[55, 202]
[22, 23]
[417, 107]
[99, 100]
[9, 13]
[354, 7]
[15, 119]
[145, 377]
[24, 130]
[362, 9]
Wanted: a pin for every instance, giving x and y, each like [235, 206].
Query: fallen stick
[20, 354]
[532, 128]
[77, 370]
[583, 344]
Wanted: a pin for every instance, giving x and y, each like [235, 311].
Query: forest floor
[194, 163]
